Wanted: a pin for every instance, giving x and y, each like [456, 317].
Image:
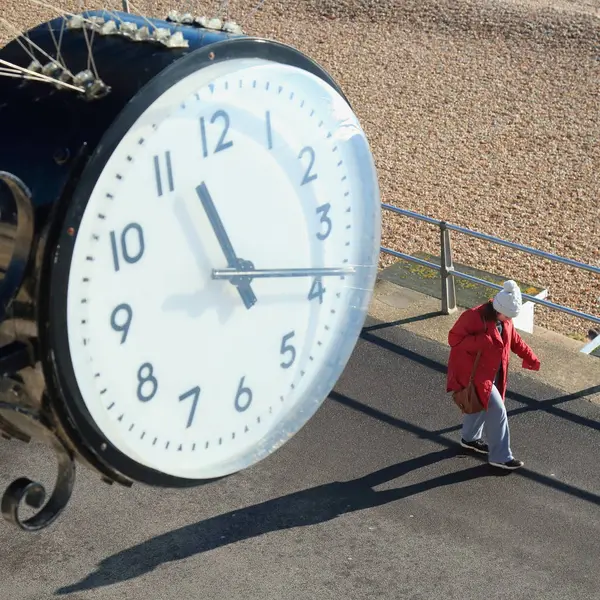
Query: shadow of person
[299, 509]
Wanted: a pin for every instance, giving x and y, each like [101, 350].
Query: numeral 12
[221, 144]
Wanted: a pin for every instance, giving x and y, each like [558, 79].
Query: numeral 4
[317, 290]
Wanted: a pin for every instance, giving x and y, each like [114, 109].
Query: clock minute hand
[243, 285]
[232, 273]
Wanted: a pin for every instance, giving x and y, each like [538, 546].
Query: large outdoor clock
[194, 231]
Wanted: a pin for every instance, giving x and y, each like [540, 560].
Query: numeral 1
[125, 251]
[158, 173]
[269, 131]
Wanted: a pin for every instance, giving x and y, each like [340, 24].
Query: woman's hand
[532, 364]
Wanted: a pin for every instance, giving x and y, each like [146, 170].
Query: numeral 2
[308, 176]
[158, 173]
[221, 144]
[125, 243]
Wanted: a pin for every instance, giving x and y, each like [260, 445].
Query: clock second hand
[243, 284]
[266, 273]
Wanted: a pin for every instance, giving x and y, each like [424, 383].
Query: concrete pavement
[372, 499]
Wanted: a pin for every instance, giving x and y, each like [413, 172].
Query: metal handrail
[448, 272]
[494, 240]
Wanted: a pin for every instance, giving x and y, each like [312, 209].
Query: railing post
[126, 6]
[446, 269]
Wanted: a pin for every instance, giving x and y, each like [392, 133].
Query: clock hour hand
[232, 273]
[242, 282]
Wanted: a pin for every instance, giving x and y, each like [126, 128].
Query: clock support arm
[23, 417]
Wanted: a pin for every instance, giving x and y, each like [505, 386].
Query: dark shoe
[476, 445]
[511, 465]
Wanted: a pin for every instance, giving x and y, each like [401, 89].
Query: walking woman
[488, 328]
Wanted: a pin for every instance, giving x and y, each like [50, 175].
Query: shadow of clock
[299, 509]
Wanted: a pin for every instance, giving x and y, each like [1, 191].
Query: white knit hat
[508, 301]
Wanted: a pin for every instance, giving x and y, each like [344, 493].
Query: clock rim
[68, 403]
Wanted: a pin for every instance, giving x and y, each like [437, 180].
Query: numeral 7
[195, 393]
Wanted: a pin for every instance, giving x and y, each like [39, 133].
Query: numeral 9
[122, 326]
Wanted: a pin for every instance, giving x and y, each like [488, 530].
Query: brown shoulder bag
[467, 399]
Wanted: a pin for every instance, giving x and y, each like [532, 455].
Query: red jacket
[469, 335]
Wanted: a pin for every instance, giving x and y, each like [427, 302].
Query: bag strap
[478, 355]
[475, 367]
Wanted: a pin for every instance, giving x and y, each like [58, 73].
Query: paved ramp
[372, 499]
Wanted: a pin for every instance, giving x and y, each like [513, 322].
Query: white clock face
[246, 164]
